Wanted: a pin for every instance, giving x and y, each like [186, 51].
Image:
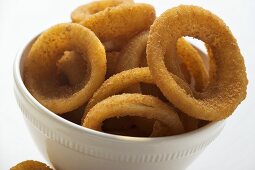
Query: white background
[234, 149]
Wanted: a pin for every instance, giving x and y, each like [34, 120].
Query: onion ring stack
[118, 69]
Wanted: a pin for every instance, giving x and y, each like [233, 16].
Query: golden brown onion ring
[32, 165]
[186, 73]
[132, 53]
[209, 61]
[74, 67]
[222, 97]
[112, 58]
[160, 130]
[115, 44]
[85, 11]
[153, 90]
[40, 70]
[194, 63]
[131, 56]
[133, 105]
[212, 64]
[117, 83]
[122, 21]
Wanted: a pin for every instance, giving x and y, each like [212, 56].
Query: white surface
[234, 149]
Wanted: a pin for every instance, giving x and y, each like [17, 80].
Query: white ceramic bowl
[68, 146]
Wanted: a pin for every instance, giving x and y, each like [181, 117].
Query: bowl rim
[68, 124]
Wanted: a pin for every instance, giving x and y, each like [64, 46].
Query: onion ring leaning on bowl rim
[40, 66]
[222, 97]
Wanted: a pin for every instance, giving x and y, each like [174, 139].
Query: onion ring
[73, 67]
[222, 97]
[153, 90]
[85, 11]
[40, 67]
[25, 165]
[122, 21]
[132, 54]
[194, 63]
[114, 44]
[209, 61]
[186, 73]
[120, 81]
[160, 130]
[133, 105]
[212, 64]
[112, 58]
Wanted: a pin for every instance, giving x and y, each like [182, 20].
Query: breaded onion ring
[132, 53]
[209, 61]
[122, 21]
[121, 81]
[117, 83]
[112, 58]
[194, 63]
[160, 130]
[40, 70]
[74, 67]
[212, 64]
[115, 44]
[85, 11]
[133, 105]
[222, 97]
[31, 165]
